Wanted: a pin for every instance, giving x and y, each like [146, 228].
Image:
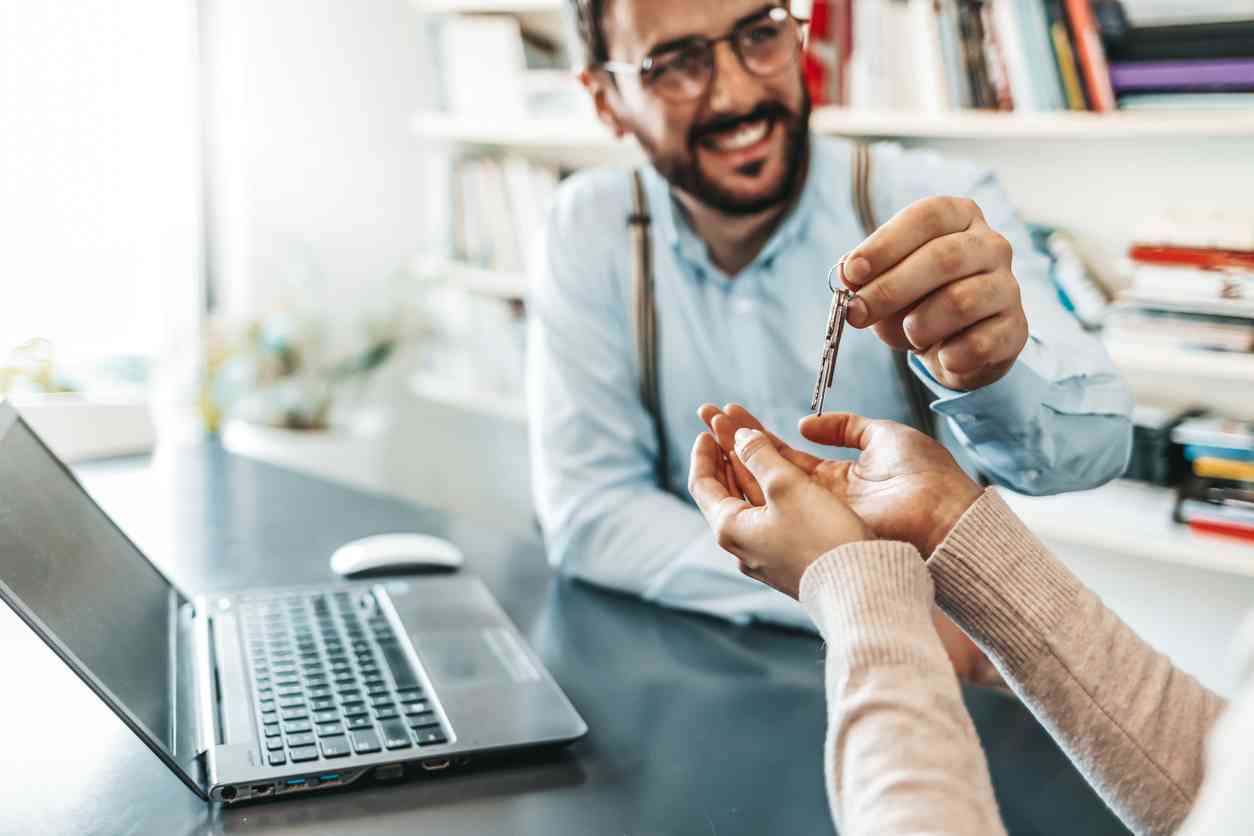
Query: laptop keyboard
[331, 678]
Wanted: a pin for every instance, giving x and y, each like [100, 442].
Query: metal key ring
[840, 265]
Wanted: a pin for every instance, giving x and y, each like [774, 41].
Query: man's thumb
[773, 472]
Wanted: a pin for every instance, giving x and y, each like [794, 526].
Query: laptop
[267, 693]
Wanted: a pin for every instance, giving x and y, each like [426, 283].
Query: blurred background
[305, 229]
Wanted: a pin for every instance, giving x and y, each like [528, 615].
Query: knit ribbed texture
[872, 590]
[995, 578]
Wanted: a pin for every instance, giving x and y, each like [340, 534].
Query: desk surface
[697, 727]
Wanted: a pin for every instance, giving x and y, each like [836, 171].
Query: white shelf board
[477, 6]
[570, 132]
[499, 284]
[586, 134]
[464, 395]
[1129, 518]
[1218, 366]
[984, 125]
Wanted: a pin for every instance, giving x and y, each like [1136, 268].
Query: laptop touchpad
[474, 657]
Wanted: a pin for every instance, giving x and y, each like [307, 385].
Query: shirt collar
[672, 227]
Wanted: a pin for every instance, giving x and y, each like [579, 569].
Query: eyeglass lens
[764, 47]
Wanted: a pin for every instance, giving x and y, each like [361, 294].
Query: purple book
[1200, 74]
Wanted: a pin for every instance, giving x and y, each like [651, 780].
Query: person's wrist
[954, 502]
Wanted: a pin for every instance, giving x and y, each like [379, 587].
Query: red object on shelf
[1186, 257]
[1224, 529]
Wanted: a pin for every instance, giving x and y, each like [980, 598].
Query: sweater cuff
[867, 599]
[1000, 584]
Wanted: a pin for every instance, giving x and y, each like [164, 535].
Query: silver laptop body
[267, 693]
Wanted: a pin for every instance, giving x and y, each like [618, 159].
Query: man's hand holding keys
[937, 279]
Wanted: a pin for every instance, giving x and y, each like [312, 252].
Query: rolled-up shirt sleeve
[1060, 419]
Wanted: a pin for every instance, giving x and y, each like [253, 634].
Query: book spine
[995, 60]
[1205, 259]
[1092, 55]
[1231, 74]
[1064, 55]
[972, 31]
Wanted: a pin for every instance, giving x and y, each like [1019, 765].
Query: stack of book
[1190, 62]
[1192, 288]
[1218, 498]
[940, 55]
[498, 208]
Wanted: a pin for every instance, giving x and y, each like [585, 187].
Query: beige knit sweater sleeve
[901, 756]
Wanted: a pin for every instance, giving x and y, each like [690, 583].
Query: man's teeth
[742, 137]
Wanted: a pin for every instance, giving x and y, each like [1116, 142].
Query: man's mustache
[720, 124]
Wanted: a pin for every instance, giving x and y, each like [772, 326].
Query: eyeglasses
[765, 45]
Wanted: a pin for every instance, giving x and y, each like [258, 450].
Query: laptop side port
[389, 771]
[435, 764]
[328, 779]
[262, 789]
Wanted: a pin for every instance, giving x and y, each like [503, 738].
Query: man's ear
[604, 98]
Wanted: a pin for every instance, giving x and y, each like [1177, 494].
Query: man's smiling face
[740, 146]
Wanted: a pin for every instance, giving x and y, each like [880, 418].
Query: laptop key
[381, 700]
[410, 695]
[289, 702]
[416, 708]
[359, 721]
[335, 747]
[431, 737]
[328, 729]
[328, 716]
[395, 735]
[427, 718]
[354, 707]
[272, 729]
[365, 742]
[296, 727]
[402, 673]
[274, 744]
[302, 739]
[322, 704]
[320, 691]
[300, 754]
[277, 759]
[386, 712]
[295, 714]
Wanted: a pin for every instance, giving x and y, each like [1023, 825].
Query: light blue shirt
[1058, 421]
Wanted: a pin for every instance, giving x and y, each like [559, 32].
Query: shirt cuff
[996, 580]
[992, 412]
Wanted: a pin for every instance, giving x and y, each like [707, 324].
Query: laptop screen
[70, 567]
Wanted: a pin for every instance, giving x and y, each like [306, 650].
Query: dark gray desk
[698, 727]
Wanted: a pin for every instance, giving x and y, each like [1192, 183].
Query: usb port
[295, 782]
[435, 764]
[329, 778]
[262, 789]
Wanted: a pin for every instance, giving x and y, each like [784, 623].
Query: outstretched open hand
[903, 484]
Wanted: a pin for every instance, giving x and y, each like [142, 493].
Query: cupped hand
[904, 485]
[797, 522]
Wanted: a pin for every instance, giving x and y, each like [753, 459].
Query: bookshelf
[585, 134]
[1129, 518]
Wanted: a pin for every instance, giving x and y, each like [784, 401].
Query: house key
[831, 342]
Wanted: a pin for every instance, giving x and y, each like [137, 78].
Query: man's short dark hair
[589, 26]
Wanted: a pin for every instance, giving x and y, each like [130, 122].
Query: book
[956, 80]
[1222, 39]
[1215, 432]
[1192, 257]
[926, 59]
[1042, 67]
[1240, 531]
[1220, 74]
[1092, 55]
[1185, 283]
[1186, 101]
[971, 29]
[1064, 56]
[1010, 36]
[995, 59]
[1151, 327]
[1204, 229]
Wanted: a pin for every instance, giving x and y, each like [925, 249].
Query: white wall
[312, 170]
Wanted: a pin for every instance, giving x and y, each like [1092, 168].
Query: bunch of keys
[831, 341]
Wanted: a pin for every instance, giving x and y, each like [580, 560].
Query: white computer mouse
[395, 554]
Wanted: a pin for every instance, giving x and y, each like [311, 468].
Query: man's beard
[685, 174]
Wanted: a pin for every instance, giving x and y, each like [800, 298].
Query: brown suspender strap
[920, 399]
[644, 322]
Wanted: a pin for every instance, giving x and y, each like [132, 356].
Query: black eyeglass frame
[778, 14]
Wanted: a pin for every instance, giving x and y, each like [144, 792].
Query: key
[831, 347]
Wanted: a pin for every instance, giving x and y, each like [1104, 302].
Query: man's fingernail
[858, 313]
[856, 269]
[743, 436]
